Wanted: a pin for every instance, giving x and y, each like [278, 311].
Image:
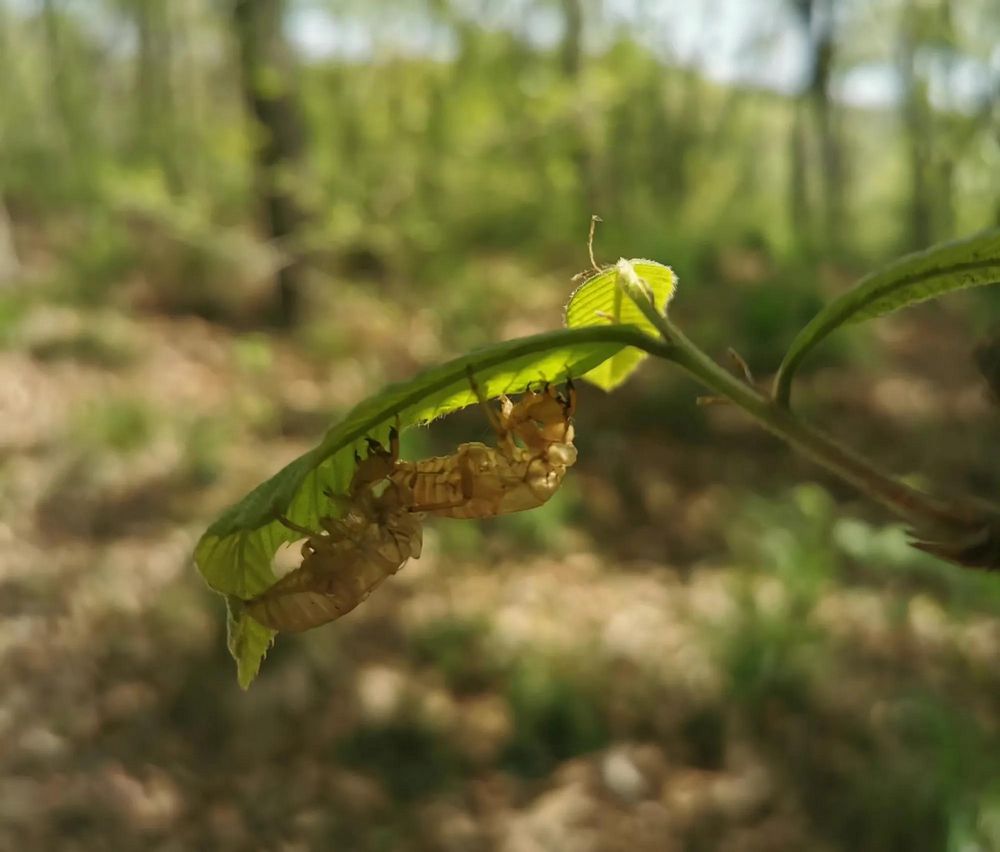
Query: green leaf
[971, 262]
[234, 554]
[599, 301]
[247, 640]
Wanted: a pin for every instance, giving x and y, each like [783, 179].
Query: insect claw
[703, 401]
[741, 365]
[394, 442]
[570, 404]
[293, 526]
[594, 219]
[534, 448]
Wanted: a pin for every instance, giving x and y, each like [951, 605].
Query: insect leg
[417, 508]
[570, 397]
[294, 526]
[394, 440]
[497, 424]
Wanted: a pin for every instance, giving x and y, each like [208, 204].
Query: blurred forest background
[224, 223]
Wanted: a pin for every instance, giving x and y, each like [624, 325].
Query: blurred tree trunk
[279, 135]
[571, 61]
[917, 129]
[681, 136]
[10, 265]
[946, 153]
[155, 133]
[71, 113]
[800, 213]
[572, 44]
[831, 155]
[817, 20]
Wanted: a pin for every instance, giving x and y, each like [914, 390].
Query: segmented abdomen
[465, 484]
[337, 576]
[478, 481]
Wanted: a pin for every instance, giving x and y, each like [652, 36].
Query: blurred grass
[839, 661]
[901, 766]
[680, 650]
[459, 649]
[556, 713]
[409, 758]
[122, 425]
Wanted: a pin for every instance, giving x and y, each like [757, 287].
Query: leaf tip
[631, 282]
[248, 641]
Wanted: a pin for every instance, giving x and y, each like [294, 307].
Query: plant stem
[913, 506]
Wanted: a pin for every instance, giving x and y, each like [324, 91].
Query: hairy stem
[916, 507]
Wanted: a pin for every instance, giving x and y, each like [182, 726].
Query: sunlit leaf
[247, 640]
[235, 554]
[914, 278]
[599, 301]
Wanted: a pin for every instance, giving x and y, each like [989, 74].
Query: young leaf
[914, 278]
[599, 301]
[234, 554]
[247, 640]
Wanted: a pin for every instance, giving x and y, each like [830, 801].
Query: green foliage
[13, 309]
[458, 648]
[100, 338]
[234, 555]
[254, 354]
[600, 301]
[768, 316]
[99, 254]
[769, 661]
[205, 440]
[445, 189]
[557, 714]
[914, 775]
[914, 278]
[247, 640]
[542, 528]
[791, 537]
[917, 779]
[122, 425]
[460, 541]
[88, 346]
[770, 651]
[411, 759]
[889, 548]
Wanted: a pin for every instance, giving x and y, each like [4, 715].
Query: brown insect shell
[539, 477]
[338, 573]
[488, 475]
[350, 526]
[474, 478]
[344, 564]
[319, 591]
[395, 533]
[540, 419]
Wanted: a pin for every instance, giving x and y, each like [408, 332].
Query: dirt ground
[683, 652]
